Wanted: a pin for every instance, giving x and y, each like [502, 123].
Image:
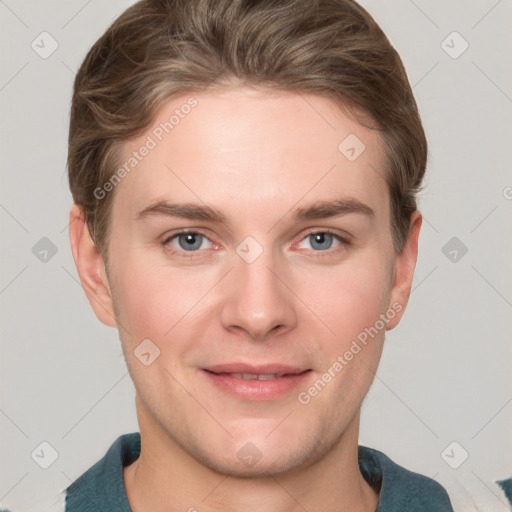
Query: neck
[167, 474]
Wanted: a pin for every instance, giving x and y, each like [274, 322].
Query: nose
[257, 299]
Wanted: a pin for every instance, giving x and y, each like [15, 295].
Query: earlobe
[405, 263]
[90, 267]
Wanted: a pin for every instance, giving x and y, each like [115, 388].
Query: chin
[257, 456]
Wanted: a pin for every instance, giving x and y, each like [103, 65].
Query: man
[244, 177]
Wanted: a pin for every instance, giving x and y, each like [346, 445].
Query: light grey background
[445, 375]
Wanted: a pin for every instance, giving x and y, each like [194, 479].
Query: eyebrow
[325, 209]
[318, 210]
[184, 210]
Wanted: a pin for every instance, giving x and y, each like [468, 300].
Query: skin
[257, 156]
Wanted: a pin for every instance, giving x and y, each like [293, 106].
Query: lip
[256, 390]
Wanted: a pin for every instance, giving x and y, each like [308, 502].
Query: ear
[405, 262]
[91, 268]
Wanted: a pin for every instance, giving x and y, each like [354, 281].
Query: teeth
[266, 377]
[253, 376]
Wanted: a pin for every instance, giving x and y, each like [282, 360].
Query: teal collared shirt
[101, 488]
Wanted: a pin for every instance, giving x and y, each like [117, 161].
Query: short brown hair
[160, 48]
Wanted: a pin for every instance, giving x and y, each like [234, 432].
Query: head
[285, 139]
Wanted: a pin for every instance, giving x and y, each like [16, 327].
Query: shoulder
[506, 487]
[101, 487]
[401, 489]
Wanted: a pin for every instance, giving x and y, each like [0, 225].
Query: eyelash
[344, 242]
[185, 254]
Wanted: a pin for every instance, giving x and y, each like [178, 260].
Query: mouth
[256, 383]
[257, 376]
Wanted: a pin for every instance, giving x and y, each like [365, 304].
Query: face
[255, 258]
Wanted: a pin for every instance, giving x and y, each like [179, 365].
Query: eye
[188, 241]
[322, 241]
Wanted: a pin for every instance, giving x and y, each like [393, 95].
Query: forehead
[255, 145]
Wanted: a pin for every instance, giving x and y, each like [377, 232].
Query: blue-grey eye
[190, 241]
[321, 241]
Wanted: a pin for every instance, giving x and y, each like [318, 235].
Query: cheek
[360, 297]
[150, 299]
[350, 298]
[350, 304]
